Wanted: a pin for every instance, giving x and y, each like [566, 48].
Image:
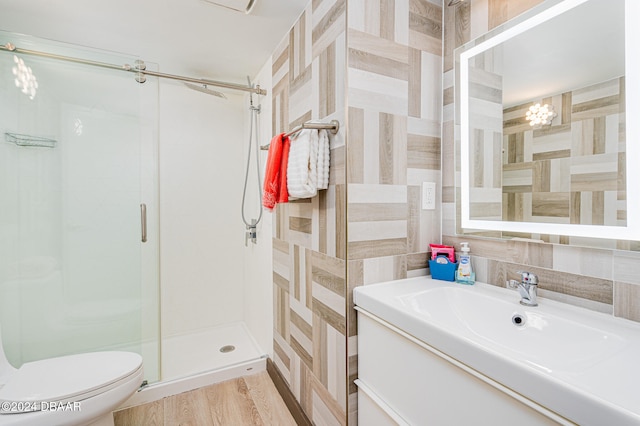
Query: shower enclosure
[78, 159]
[80, 216]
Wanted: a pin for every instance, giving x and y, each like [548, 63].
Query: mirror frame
[632, 76]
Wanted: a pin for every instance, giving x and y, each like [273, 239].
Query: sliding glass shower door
[78, 160]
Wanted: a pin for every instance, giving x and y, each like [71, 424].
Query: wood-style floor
[249, 400]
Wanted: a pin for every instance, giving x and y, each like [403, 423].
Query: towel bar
[333, 126]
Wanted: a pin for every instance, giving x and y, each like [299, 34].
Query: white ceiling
[189, 37]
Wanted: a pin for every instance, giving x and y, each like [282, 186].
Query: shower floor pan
[207, 350]
[203, 358]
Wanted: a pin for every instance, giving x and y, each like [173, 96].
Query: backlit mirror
[549, 133]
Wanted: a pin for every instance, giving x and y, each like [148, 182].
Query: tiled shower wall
[598, 278]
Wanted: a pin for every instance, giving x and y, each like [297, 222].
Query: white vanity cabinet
[437, 353]
[404, 381]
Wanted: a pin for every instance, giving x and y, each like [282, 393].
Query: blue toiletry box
[443, 271]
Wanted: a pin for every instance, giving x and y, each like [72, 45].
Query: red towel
[275, 178]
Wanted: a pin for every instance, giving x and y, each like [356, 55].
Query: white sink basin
[581, 364]
[532, 335]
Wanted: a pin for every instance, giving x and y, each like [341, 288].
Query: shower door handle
[143, 221]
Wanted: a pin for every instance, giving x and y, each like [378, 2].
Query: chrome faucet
[527, 287]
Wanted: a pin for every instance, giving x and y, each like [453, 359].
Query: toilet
[80, 389]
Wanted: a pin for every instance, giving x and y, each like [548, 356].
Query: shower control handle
[143, 221]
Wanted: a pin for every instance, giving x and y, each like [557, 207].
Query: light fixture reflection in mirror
[540, 115]
[24, 78]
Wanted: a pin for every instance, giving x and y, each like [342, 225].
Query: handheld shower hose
[251, 233]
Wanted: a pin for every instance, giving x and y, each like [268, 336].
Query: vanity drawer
[425, 388]
[374, 411]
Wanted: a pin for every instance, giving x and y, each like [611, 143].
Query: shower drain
[227, 348]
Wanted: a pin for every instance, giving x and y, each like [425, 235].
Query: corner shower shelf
[28, 140]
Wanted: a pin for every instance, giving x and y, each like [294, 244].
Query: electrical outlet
[428, 195]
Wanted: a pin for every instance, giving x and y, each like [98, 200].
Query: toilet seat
[70, 378]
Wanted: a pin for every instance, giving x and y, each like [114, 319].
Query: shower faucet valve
[252, 233]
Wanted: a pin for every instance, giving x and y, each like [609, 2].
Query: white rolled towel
[302, 170]
[323, 159]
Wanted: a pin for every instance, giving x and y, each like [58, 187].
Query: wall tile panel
[394, 96]
[309, 244]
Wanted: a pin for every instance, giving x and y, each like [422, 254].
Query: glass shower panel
[77, 161]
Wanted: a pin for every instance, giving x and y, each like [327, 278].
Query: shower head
[454, 2]
[245, 6]
[205, 89]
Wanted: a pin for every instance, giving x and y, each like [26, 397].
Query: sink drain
[518, 320]
[227, 348]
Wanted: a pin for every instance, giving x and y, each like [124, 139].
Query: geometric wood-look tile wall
[573, 170]
[394, 63]
[595, 278]
[309, 246]
[394, 86]
[382, 71]
[388, 60]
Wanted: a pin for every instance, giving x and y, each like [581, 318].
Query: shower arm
[139, 68]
